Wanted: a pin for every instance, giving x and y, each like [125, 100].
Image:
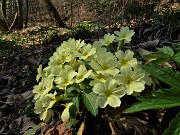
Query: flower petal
[99, 88]
[102, 101]
[65, 114]
[113, 101]
[128, 55]
[110, 84]
[120, 79]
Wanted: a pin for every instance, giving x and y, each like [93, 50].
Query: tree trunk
[20, 14]
[15, 21]
[55, 13]
[27, 13]
[3, 25]
[4, 8]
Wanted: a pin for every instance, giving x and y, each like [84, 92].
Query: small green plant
[8, 43]
[12, 38]
[27, 110]
[48, 33]
[80, 74]
[165, 54]
[33, 130]
[26, 71]
[86, 26]
[84, 29]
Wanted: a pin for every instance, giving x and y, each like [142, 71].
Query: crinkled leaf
[165, 75]
[155, 55]
[177, 57]
[161, 60]
[161, 57]
[172, 73]
[89, 100]
[159, 99]
[167, 50]
[174, 126]
[171, 91]
[33, 130]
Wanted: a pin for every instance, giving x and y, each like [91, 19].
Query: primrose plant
[81, 74]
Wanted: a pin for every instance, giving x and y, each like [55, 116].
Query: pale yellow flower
[124, 34]
[108, 93]
[126, 59]
[85, 52]
[105, 64]
[82, 73]
[65, 114]
[65, 78]
[131, 80]
[108, 39]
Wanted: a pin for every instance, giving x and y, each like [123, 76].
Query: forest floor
[18, 70]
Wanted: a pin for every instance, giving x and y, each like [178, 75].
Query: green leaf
[73, 110]
[155, 55]
[33, 130]
[153, 103]
[72, 87]
[174, 126]
[161, 60]
[177, 57]
[71, 123]
[161, 57]
[165, 75]
[172, 73]
[160, 99]
[167, 50]
[89, 100]
[171, 91]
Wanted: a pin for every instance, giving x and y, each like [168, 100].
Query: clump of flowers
[90, 72]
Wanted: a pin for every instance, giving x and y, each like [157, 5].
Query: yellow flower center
[123, 36]
[63, 58]
[124, 62]
[66, 82]
[100, 77]
[108, 93]
[105, 67]
[128, 80]
[107, 42]
[41, 90]
[85, 53]
[81, 76]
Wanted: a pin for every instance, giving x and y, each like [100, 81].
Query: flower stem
[110, 48]
[65, 92]
[121, 43]
[63, 99]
